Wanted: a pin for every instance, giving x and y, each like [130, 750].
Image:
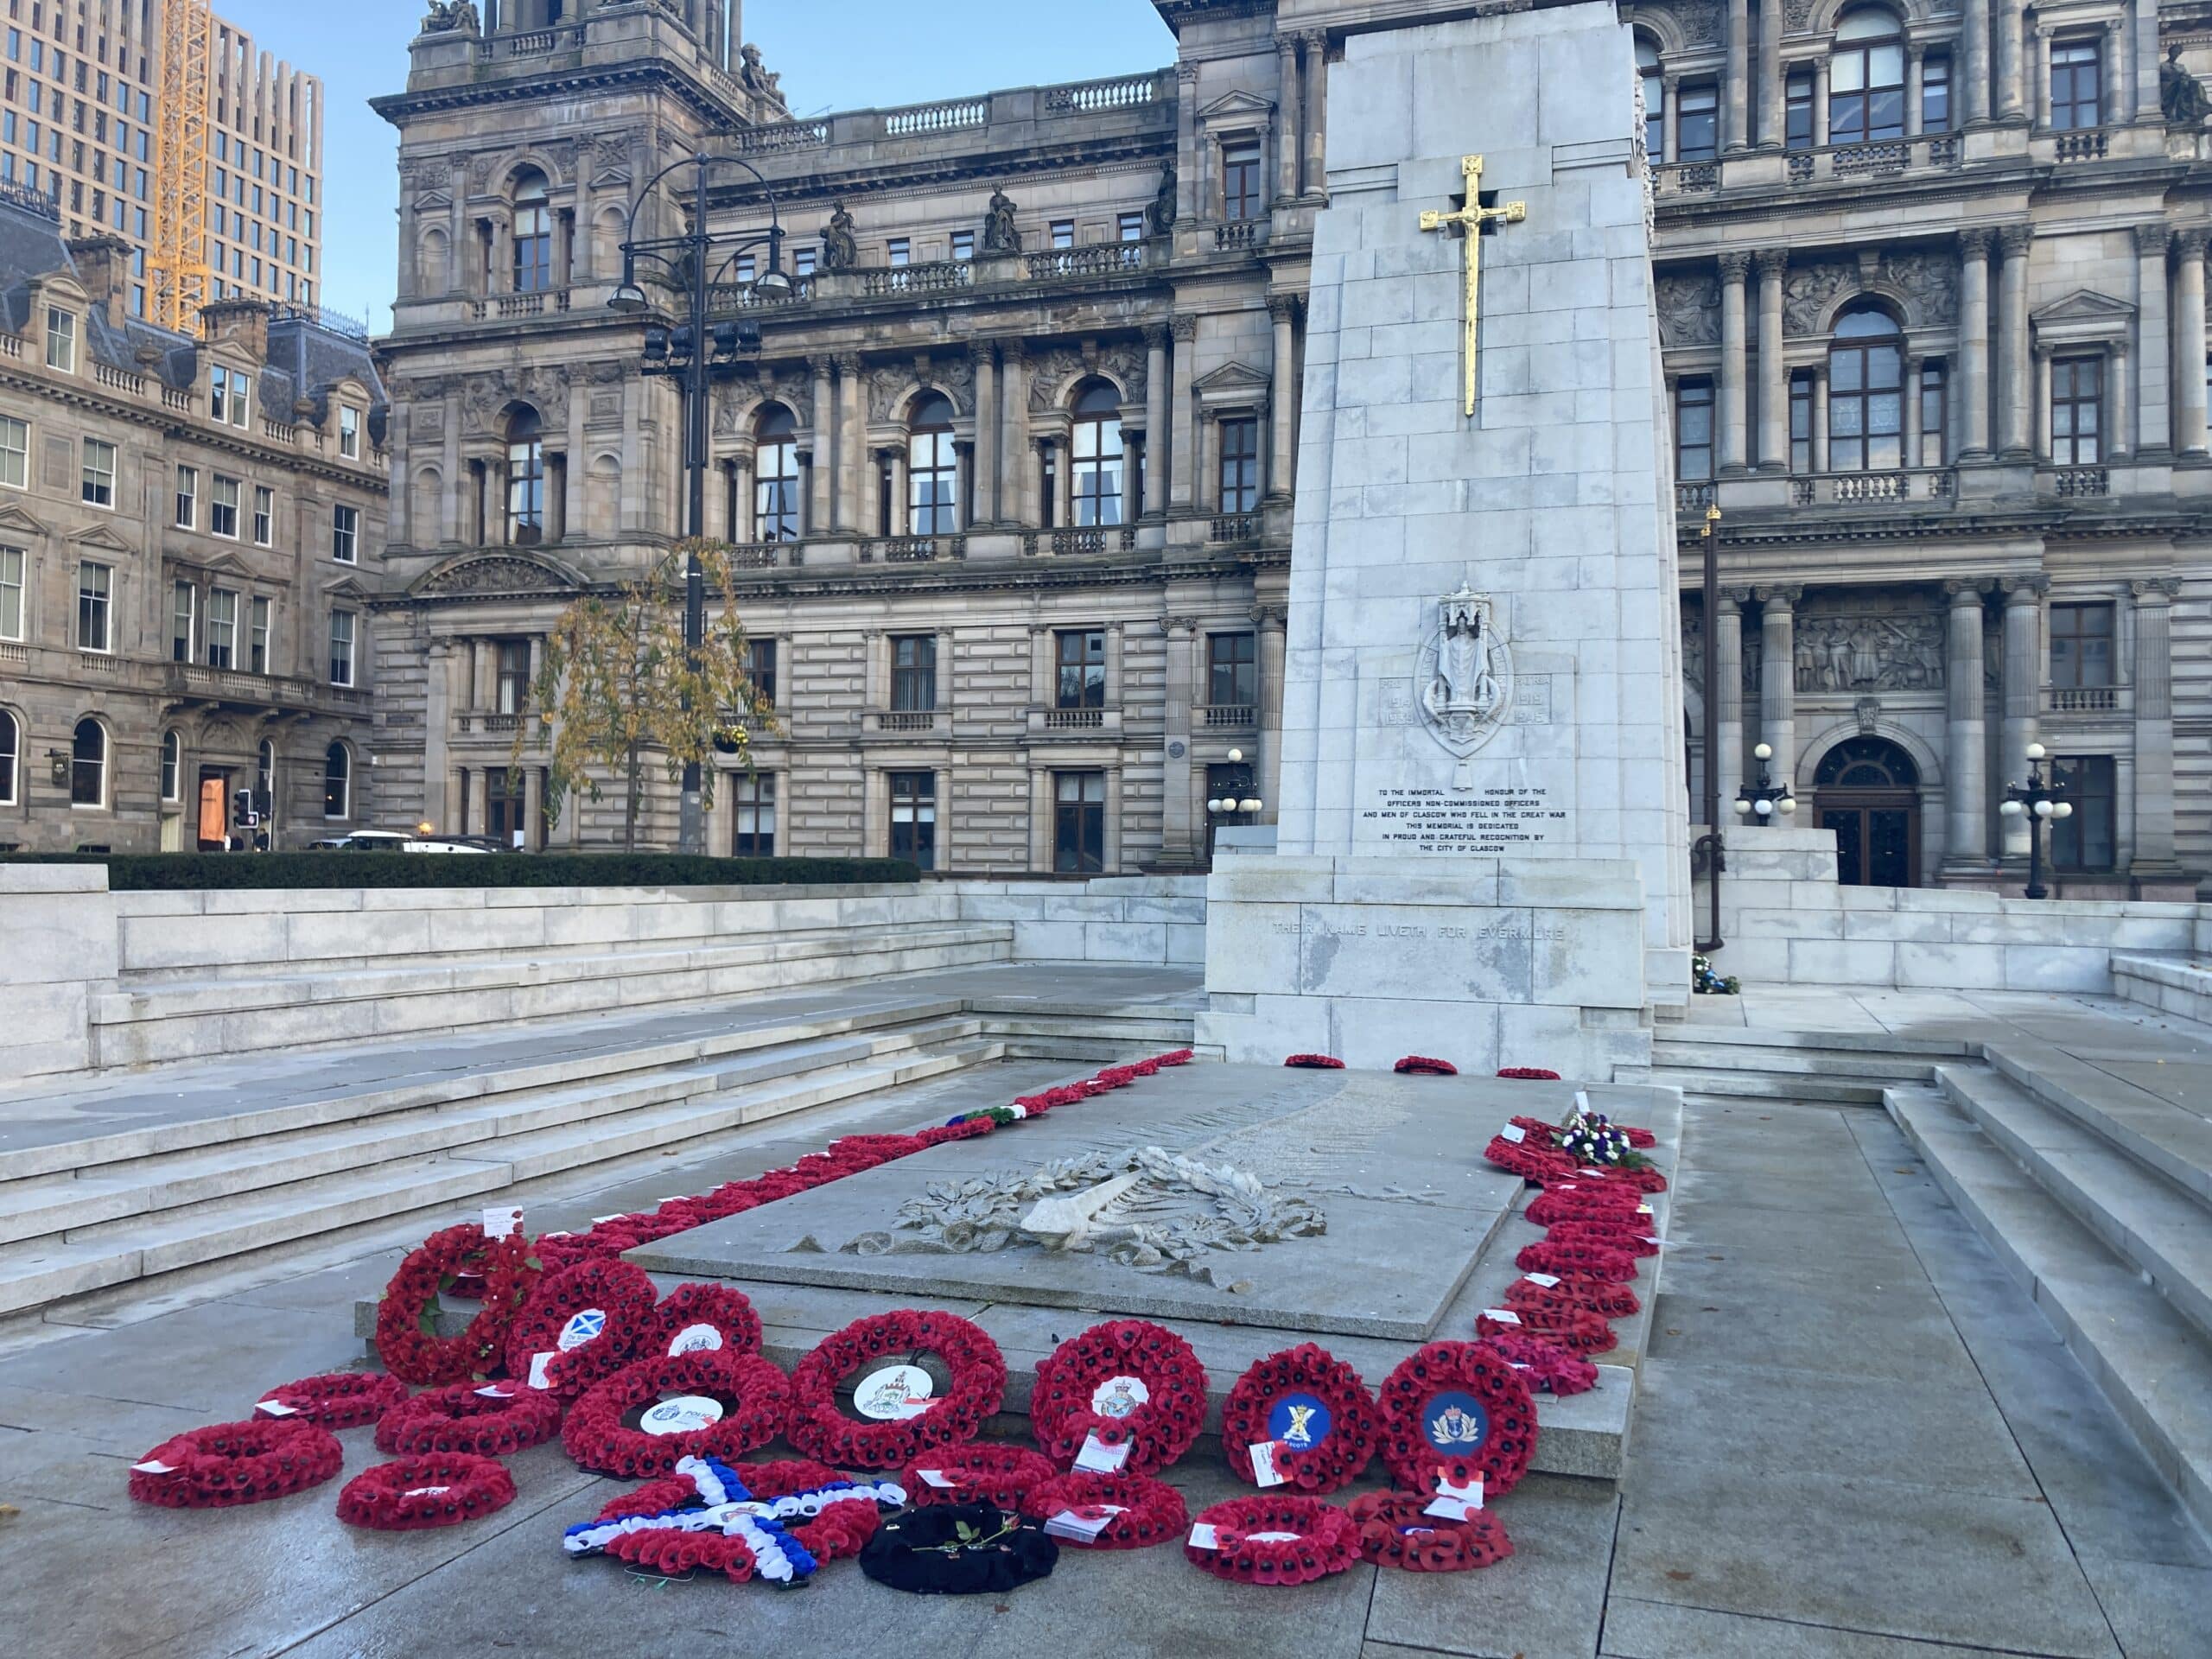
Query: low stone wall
[1148, 919]
[57, 951]
[2169, 984]
[1788, 921]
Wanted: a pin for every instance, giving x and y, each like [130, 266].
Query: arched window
[1098, 456]
[1865, 393]
[775, 475]
[264, 778]
[525, 478]
[1655, 100]
[11, 745]
[1866, 80]
[337, 782]
[934, 475]
[533, 268]
[1866, 763]
[88, 764]
[172, 763]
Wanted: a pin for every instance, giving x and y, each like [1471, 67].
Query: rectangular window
[2076, 411]
[760, 668]
[15, 453]
[60, 340]
[1064, 233]
[803, 262]
[1132, 227]
[230, 397]
[187, 498]
[349, 432]
[95, 591]
[183, 601]
[964, 245]
[1079, 822]
[99, 486]
[1801, 423]
[223, 507]
[1936, 94]
[1081, 659]
[1692, 431]
[2081, 646]
[902, 250]
[1232, 671]
[264, 516]
[1931, 413]
[1240, 465]
[754, 799]
[1797, 113]
[511, 682]
[11, 593]
[222, 627]
[913, 817]
[345, 533]
[2088, 840]
[341, 647]
[1240, 181]
[256, 643]
[2076, 74]
[1697, 123]
[914, 673]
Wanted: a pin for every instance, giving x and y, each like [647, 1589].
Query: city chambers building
[1009, 472]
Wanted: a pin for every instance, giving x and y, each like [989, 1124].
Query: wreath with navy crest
[1453, 1411]
[1128, 1382]
[1312, 1407]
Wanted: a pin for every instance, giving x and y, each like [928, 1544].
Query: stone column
[479, 800]
[1773, 368]
[1017, 493]
[985, 355]
[2189, 337]
[852, 444]
[1040, 820]
[1821, 102]
[2023, 691]
[1317, 112]
[1734, 267]
[1778, 679]
[1966, 836]
[2038, 97]
[823, 467]
[1973, 345]
[901, 509]
[2154, 426]
[2115, 82]
[1184, 462]
[2154, 726]
[1975, 70]
[1282, 403]
[1910, 456]
[1271, 619]
[1735, 102]
[1178, 844]
[2144, 16]
[1186, 142]
[2014, 407]
[1724, 680]
[1770, 77]
[1819, 458]
[1158, 445]
[437, 731]
[2040, 415]
[1915, 85]
[741, 483]
[2120, 403]
[2011, 73]
[1287, 138]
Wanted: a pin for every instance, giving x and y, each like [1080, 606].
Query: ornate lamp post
[1762, 800]
[2041, 798]
[697, 350]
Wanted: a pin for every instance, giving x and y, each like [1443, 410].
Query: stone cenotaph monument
[1482, 852]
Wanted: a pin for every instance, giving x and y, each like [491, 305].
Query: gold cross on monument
[1468, 224]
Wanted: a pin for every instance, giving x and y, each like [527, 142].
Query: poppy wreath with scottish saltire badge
[1140, 1511]
[228, 1463]
[1394, 1531]
[1314, 1406]
[975, 1389]
[337, 1399]
[1454, 1410]
[622, 1295]
[1315, 1063]
[1546, 1364]
[1421, 1065]
[755, 1397]
[998, 1475]
[1634, 1236]
[490, 1421]
[1608, 1301]
[414, 1493]
[1066, 1407]
[1560, 1257]
[1322, 1540]
[1530, 1162]
[725, 1312]
[406, 1317]
[1574, 1328]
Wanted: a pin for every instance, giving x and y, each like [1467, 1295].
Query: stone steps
[2171, 1142]
[1696, 1055]
[1745, 1084]
[2149, 1357]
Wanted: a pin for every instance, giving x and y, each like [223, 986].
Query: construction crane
[179, 262]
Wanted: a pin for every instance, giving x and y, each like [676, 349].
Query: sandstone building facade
[1010, 471]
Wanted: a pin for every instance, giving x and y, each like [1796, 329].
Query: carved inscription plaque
[1491, 819]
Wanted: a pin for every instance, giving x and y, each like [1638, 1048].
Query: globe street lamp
[1759, 803]
[697, 350]
[2040, 800]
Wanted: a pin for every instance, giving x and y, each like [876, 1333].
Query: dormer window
[60, 340]
[349, 432]
[230, 397]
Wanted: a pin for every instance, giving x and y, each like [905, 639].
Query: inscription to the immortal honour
[1504, 819]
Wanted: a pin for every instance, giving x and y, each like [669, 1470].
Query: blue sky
[833, 54]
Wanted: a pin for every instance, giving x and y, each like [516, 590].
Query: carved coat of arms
[1464, 682]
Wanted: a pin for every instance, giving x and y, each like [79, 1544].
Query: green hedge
[187, 872]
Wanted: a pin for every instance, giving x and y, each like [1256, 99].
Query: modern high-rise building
[157, 122]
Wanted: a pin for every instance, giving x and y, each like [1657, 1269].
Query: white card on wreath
[1263, 1464]
[152, 1466]
[1514, 1133]
[1542, 1281]
[1502, 1315]
[1204, 1537]
[277, 1409]
[538, 1365]
[1097, 1458]
[500, 1220]
[1456, 1503]
[1078, 1529]
[935, 1478]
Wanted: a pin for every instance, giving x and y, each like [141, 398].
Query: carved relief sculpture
[1690, 309]
[1000, 235]
[2181, 97]
[448, 17]
[1884, 653]
[1466, 679]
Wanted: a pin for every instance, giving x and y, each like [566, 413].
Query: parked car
[394, 841]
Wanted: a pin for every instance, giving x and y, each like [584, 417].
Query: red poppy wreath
[1272, 1540]
[1608, 1301]
[1315, 1063]
[336, 1400]
[1455, 1410]
[1597, 1261]
[406, 1317]
[1595, 1192]
[1526, 1159]
[997, 1475]
[704, 1405]
[1395, 1530]
[1630, 1235]
[414, 1493]
[695, 1317]
[1127, 1383]
[1139, 1510]
[1574, 1328]
[1546, 1364]
[1421, 1065]
[1574, 1203]
[1529, 1073]
[229, 1463]
[1312, 1413]
[582, 1324]
[914, 1380]
[490, 1421]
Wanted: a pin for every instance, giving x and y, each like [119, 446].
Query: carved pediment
[101, 536]
[496, 573]
[2083, 306]
[218, 563]
[348, 586]
[1229, 105]
[1231, 379]
[433, 201]
[19, 520]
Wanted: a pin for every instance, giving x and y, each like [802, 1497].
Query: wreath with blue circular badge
[581, 1325]
[1127, 1383]
[888, 1388]
[1312, 1413]
[1453, 1411]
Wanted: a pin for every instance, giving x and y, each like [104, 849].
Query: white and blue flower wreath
[727, 1509]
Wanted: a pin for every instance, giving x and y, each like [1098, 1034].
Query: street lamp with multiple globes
[697, 350]
[2041, 798]
[1229, 805]
[1762, 800]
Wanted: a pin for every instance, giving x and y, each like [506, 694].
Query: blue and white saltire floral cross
[726, 1508]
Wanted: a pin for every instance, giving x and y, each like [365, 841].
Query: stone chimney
[104, 267]
[246, 321]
